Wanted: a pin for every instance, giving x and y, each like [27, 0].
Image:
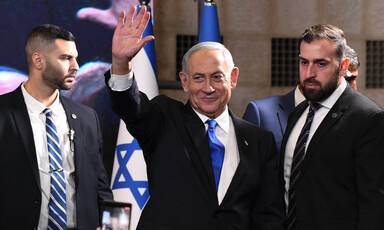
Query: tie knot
[47, 112]
[211, 124]
[314, 106]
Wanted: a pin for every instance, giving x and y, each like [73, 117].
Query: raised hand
[127, 39]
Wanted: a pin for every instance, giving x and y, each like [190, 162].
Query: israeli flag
[129, 176]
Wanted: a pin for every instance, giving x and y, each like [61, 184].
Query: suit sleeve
[252, 113]
[269, 212]
[104, 192]
[138, 113]
[369, 160]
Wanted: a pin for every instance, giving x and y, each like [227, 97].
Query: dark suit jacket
[271, 113]
[180, 174]
[20, 194]
[342, 176]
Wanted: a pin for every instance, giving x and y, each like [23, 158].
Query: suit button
[37, 202]
[216, 214]
[35, 228]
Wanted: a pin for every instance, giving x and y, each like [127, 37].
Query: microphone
[71, 134]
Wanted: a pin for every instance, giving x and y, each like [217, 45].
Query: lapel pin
[246, 143]
[334, 115]
[74, 116]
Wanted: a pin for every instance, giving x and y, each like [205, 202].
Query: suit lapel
[199, 153]
[74, 125]
[242, 143]
[334, 114]
[23, 124]
[292, 120]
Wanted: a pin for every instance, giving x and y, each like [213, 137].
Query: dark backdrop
[93, 40]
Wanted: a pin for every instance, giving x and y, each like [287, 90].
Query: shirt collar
[331, 100]
[222, 120]
[299, 97]
[34, 106]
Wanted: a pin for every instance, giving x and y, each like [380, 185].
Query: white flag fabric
[129, 176]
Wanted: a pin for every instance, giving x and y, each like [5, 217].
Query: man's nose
[208, 88]
[311, 71]
[74, 65]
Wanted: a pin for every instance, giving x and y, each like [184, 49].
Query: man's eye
[197, 78]
[217, 78]
[322, 64]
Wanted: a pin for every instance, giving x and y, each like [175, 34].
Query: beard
[324, 91]
[55, 78]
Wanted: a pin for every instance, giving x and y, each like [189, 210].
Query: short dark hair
[43, 36]
[326, 31]
[50, 33]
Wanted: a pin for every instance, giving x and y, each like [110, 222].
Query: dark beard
[324, 92]
[54, 78]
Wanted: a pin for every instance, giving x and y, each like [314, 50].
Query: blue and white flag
[129, 176]
[209, 23]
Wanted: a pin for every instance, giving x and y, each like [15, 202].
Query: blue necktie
[217, 151]
[298, 157]
[57, 218]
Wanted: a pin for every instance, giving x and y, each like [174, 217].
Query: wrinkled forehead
[204, 59]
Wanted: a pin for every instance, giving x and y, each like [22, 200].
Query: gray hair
[208, 46]
[352, 56]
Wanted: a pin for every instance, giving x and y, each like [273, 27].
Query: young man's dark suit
[180, 174]
[20, 194]
[342, 176]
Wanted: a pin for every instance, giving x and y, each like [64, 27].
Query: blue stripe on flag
[150, 46]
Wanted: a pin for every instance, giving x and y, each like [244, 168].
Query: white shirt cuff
[120, 82]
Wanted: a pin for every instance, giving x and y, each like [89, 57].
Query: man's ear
[344, 66]
[37, 60]
[234, 77]
[184, 81]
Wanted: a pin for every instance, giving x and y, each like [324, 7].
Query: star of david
[133, 185]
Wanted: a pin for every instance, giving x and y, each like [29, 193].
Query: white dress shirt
[299, 97]
[320, 114]
[37, 118]
[225, 132]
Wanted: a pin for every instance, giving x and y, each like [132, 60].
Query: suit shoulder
[267, 100]
[363, 103]
[12, 99]
[166, 102]
[6, 98]
[275, 99]
[252, 127]
[76, 106]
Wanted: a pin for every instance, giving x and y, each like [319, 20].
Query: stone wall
[248, 26]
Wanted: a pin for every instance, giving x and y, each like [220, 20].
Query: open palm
[127, 38]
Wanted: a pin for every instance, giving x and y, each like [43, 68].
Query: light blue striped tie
[57, 201]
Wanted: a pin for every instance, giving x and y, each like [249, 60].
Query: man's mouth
[311, 83]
